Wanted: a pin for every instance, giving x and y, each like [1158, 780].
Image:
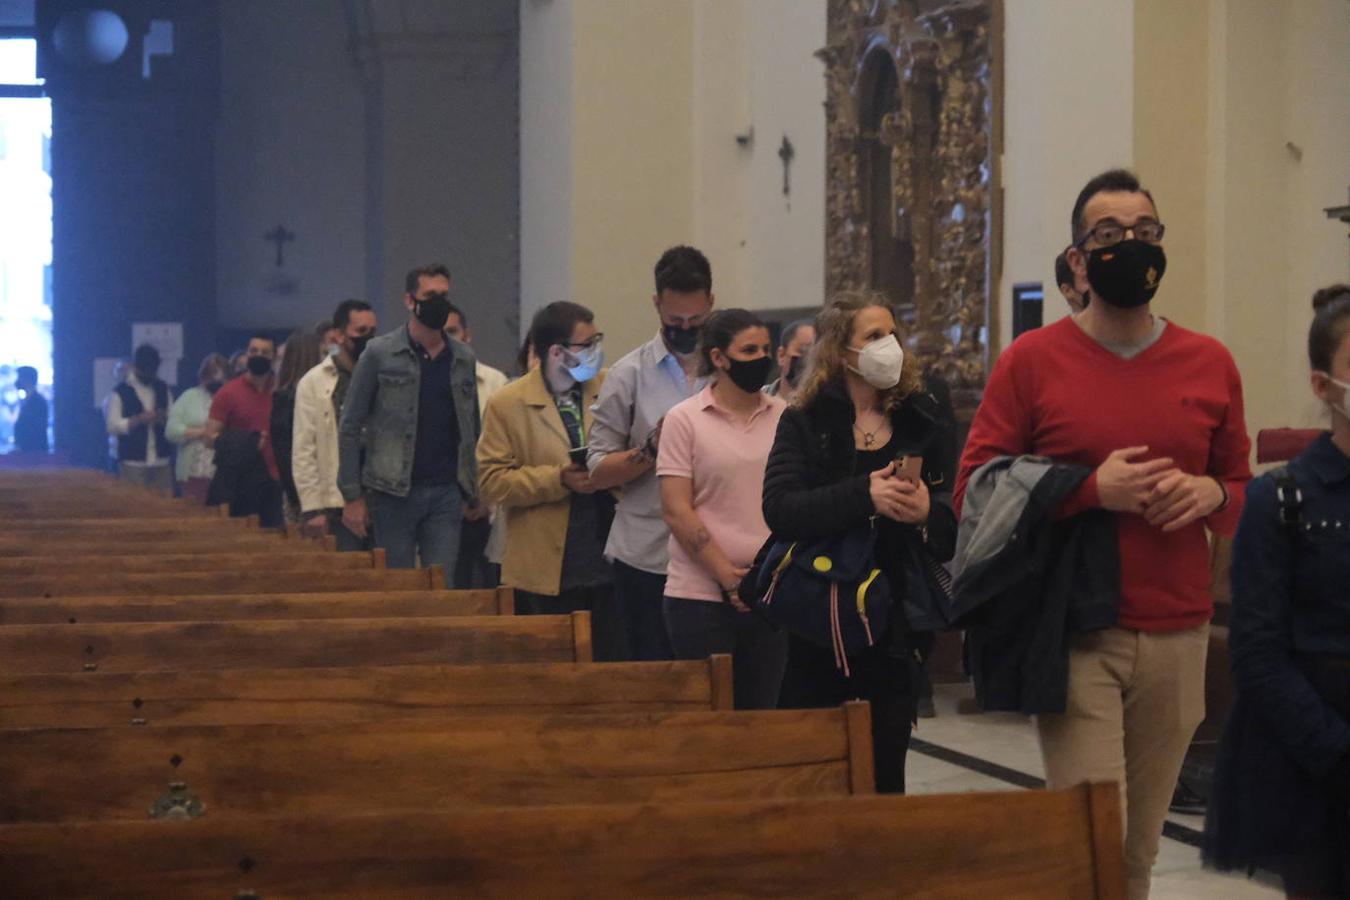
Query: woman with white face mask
[1281, 796]
[864, 441]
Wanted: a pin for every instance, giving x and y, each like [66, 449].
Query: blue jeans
[423, 524]
[700, 628]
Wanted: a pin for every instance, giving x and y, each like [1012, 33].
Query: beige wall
[632, 151]
[785, 237]
[1068, 114]
[1280, 91]
[722, 166]
[1171, 150]
[656, 93]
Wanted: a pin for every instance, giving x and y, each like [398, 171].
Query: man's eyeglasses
[1110, 232]
[595, 341]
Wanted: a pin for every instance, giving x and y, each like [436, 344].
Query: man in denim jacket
[413, 408]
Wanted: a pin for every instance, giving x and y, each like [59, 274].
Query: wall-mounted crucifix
[281, 237]
[786, 152]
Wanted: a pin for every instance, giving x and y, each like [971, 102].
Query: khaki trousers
[1135, 700]
[156, 478]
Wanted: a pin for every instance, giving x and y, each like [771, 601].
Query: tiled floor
[1009, 741]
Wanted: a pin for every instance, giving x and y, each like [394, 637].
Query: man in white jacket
[314, 438]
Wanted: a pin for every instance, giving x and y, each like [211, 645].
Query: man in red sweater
[1157, 411]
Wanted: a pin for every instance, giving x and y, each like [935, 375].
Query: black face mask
[258, 366]
[1126, 275]
[749, 374]
[434, 311]
[794, 370]
[358, 345]
[213, 386]
[682, 340]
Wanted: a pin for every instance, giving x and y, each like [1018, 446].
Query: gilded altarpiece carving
[911, 201]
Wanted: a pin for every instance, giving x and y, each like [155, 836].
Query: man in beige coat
[531, 466]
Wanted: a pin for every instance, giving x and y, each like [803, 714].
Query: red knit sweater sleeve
[1002, 425]
[1230, 454]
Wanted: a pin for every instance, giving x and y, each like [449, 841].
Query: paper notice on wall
[166, 337]
[105, 378]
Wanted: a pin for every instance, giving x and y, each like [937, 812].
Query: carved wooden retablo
[910, 171]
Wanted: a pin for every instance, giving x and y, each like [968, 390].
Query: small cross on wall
[280, 237]
[786, 152]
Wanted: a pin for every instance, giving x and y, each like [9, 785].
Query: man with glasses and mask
[1155, 412]
[531, 464]
[412, 407]
[314, 438]
[639, 390]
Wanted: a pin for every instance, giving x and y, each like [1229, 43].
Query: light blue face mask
[588, 363]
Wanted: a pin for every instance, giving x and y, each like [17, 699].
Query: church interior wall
[545, 155]
[427, 172]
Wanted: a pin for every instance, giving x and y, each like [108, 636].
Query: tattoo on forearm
[700, 540]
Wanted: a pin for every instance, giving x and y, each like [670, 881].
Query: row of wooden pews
[192, 707]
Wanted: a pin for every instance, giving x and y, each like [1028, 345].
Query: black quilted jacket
[810, 491]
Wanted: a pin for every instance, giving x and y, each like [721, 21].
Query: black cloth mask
[1126, 275]
[433, 311]
[358, 345]
[749, 374]
[682, 340]
[213, 386]
[258, 366]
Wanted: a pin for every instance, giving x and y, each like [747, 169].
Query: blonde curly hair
[834, 325]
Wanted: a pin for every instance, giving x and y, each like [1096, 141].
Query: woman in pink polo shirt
[711, 468]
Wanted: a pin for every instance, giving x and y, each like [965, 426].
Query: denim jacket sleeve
[355, 411]
[1262, 644]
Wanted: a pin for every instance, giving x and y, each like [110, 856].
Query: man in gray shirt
[638, 392]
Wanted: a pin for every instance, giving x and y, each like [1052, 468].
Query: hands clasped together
[1156, 489]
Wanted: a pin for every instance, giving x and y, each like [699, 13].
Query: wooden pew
[951, 847]
[294, 643]
[258, 579]
[488, 760]
[359, 693]
[111, 507]
[12, 544]
[235, 607]
[68, 527]
[149, 561]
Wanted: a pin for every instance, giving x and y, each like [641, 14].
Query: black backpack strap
[1288, 496]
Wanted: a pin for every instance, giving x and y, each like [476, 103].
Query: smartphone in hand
[908, 468]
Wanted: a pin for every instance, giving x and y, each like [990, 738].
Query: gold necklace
[869, 437]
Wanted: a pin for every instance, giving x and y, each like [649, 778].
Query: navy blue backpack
[830, 592]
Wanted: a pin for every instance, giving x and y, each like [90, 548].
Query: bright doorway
[25, 229]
